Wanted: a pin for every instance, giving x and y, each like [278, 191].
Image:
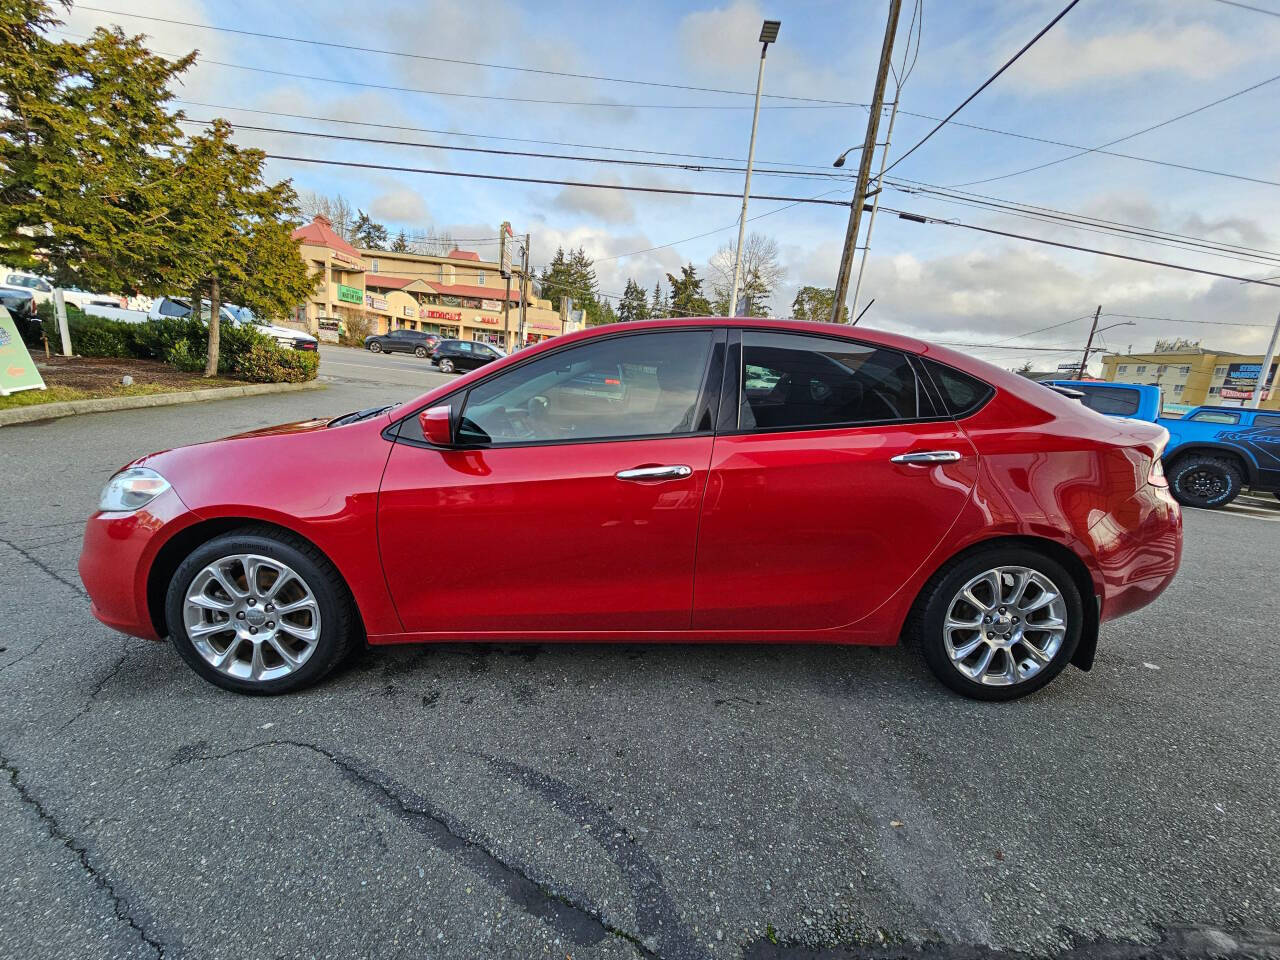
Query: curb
[71, 408]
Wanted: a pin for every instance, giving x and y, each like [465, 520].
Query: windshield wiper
[358, 415]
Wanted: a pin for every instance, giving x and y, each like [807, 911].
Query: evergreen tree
[368, 233]
[814, 303]
[572, 275]
[658, 306]
[401, 242]
[633, 305]
[687, 299]
[85, 138]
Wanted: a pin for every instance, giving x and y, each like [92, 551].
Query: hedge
[183, 342]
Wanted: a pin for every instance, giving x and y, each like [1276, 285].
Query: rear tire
[1203, 481]
[214, 595]
[375, 346]
[1021, 637]
[446, 365]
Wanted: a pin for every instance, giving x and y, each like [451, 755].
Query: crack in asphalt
[661, 929]
[42, 566]
[565, 911]
[1174, 943]
[17, 660]
[97, 689]
[119, 903]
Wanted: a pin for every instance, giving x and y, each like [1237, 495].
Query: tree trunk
[215, 307]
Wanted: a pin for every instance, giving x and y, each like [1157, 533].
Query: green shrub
[268, 363]
[181, 357]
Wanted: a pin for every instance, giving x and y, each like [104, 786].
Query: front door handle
[928, 456]
[645, 474]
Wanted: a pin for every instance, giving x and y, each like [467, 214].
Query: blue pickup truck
[1213, 452]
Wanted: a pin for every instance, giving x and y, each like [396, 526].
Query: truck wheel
[1203, 481]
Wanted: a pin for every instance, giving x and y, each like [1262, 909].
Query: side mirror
[437, 425]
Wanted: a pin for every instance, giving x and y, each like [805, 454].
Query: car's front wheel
[1202, 481]
[446, 365]
[259, 611]
[419, 351]
[999, 624]
[375, 346]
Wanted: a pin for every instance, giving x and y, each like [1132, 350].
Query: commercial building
[1190, 375]
[458, 295]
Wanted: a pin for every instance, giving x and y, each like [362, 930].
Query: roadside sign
[1242, 379]
[17, 369]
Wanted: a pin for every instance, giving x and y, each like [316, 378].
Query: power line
[1130, 136]
[709, 168]
[986, 83]
[543, 180]
[1206, 323]
[471, 63]
[1245, 6]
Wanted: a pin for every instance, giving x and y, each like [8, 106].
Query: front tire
[261, 612]
[419, 351]
[375, 346]
[999, 623]
[446, 365]
[1206, 482]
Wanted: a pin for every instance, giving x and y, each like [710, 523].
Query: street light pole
[768, 34]
[864, 163]
[1264, 372]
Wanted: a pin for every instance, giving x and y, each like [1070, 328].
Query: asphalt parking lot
[619, 801]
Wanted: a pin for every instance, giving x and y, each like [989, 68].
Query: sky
[1108, 69]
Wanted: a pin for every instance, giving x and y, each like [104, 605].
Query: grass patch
[56, 394]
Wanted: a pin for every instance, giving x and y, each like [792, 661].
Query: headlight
[132, 489]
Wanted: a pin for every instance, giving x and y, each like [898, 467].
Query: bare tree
[762, 271]
[335, 209]
[430, 242]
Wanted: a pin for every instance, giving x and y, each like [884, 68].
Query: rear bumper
[116, 557]
[1138, 548]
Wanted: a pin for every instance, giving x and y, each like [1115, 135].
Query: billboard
[507, 242]
[1242, 378]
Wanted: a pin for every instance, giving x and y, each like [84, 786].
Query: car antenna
[864, 310]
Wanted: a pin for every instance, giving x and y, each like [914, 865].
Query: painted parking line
[1237, 509]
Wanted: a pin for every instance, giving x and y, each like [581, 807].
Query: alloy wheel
[1206, 484]
[375, 347]
[252, 617]
[1005, 625]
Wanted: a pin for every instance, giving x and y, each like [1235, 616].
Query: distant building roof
[467, 290]
[321, 233]
[456, 254]
[382, 281]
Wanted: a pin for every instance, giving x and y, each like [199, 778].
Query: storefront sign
[1242, 378]
[408, 311]
[543, 326]
[17, 371]
[493, 305]
[427, 313]
[374, 303]
[350, 294]
[488, 321]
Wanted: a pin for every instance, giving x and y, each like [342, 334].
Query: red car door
[832, 485]
[570, 501]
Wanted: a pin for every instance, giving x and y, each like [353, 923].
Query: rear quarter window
[962, 393]
[1110, 400]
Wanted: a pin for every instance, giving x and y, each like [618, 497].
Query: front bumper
[116, 557]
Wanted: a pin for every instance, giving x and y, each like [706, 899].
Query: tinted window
[1266, 420]
[629, 386]
[1214, 416]
[962, 393]
[795, 380]
[172, 308]
[1117, 403]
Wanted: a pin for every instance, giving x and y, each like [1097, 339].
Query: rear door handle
[928, 456]
[645, 474]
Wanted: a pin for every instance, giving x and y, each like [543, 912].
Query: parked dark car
[21, 305]
[403, 341]
[453, 355]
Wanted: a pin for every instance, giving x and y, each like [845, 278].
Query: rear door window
[1214, 416]
[1266, 420]
[798, 380]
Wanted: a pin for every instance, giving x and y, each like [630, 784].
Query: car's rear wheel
[375, 346]
[419, 351]
[259, 611]
[1203, 481]
[446, 365]
[999, 624]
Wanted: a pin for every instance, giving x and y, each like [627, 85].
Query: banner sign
[350, 294]
[492, 305]
[17, 369]
[1242, 378]
[374, 303]
[408, 311]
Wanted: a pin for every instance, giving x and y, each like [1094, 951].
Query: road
[618, 801]
[346, 365]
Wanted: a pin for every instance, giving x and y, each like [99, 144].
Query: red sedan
[676, 480]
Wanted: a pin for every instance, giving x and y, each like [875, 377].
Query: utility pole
[524, 287]
[1088, 344]
[1264, 373]
[875, 202]
[768, 34]
[864, 163]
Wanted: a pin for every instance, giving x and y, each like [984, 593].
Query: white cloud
[607, 206]
[400, 205]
